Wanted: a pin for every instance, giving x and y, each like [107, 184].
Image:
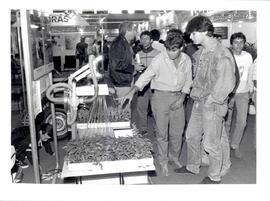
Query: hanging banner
[67, 19]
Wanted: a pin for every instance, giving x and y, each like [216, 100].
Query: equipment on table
[96, 117]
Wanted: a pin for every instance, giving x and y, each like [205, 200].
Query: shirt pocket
[180, 77]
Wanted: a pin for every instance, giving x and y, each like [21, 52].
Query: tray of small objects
[125, 151]
[114, 118]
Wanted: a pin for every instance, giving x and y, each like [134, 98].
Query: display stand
[110, 172]
[132, 171]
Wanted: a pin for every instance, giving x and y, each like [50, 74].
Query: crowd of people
[192, 66]
[163, 78]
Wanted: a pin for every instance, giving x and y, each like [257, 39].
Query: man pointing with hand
[171, 78]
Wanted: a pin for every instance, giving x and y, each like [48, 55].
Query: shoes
[18, 176]
[237, 153]
[164, 171]
[183, 170]
[143, 132]
[224, 172]
[177, 164]
[207, 180]
[22, 164]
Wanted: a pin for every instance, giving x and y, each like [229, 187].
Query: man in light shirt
[171, 78]
[241, 98]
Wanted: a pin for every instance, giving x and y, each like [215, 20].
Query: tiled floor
[241, 172]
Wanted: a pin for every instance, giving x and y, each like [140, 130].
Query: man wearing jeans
[171, 78]
[240, 100]
[143, 97]
[214, 80]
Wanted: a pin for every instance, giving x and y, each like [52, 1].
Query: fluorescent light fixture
[81, 31]
[33, 26]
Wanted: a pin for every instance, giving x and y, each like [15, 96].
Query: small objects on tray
[106, 148]
[116, 114]
[112, 114]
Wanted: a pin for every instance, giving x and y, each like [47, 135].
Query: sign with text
[223, 31]
[67, 19]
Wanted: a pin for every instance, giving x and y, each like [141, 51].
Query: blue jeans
[226, 161]
[169, 126]
[207, 123]
[240, 106]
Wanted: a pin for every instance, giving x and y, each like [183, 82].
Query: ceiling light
[33, 26]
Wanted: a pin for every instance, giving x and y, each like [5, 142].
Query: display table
[110, 172]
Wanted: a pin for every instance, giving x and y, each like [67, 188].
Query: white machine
[126, 171]
[73, 95]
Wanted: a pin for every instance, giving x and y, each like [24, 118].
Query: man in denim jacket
[214, 80]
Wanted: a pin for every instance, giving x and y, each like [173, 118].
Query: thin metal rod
[54, 130]
[120, 21]
[28, 77]
[21, 60]
[102, 45]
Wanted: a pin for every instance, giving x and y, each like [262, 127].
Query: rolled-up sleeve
[225, 80]
[188, 73]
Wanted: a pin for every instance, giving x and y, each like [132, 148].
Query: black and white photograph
[140, 100]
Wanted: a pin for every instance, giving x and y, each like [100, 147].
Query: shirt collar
[166, 56]
[149, 49]
[213, 45]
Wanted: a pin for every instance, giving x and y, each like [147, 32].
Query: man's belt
[169, 92]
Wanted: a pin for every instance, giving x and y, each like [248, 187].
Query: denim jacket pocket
[208, 111]
[220, 110]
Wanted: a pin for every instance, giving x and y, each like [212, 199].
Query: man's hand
[177, 104]
[128, 96]
[111, 90]
[40, 143]
[251, 89]
[139, 67]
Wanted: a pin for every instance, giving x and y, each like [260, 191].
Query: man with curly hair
[214, 80]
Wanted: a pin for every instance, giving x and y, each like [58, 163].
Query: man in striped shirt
[143, 97]
[213, 82]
